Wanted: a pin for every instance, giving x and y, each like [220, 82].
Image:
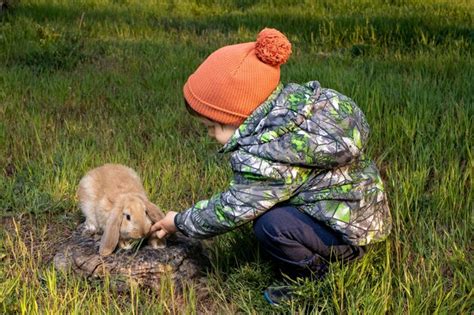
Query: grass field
[88, 82]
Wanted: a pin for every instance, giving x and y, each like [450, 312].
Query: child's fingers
[161, 233]
[155, 227]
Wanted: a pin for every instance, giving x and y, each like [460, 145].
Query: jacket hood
[303, 125]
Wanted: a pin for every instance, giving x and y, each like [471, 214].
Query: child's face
[221, 133]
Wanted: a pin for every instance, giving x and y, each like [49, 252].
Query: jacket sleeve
[257, 186]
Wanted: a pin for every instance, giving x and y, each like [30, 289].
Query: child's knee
[270, 224]
[264, 230]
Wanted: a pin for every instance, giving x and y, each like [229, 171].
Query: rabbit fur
[115, 204]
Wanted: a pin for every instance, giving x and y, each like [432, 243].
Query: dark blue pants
[300, 245]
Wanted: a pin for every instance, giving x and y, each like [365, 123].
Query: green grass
[88, 82]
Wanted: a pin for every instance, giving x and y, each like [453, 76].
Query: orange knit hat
[236, 79]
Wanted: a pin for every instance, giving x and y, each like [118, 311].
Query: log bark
[183, 259]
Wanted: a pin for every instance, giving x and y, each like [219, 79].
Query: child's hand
[165, 226]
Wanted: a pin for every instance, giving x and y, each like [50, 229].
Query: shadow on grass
[405, 31]
[45, 46]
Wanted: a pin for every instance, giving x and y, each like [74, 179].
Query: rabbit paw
[89, 230]
[125, 244]
[157, 243]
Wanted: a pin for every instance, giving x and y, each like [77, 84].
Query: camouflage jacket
[302, 146]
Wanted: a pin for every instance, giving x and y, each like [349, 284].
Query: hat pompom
[272, 47]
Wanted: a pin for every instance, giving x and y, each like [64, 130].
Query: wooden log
[183, 259]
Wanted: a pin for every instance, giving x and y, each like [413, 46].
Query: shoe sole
[269, 300]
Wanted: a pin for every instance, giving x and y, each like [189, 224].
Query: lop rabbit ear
[111, 235]
[154, 212]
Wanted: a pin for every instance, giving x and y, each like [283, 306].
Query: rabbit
[114, 203]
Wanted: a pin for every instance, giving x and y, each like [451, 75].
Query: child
[297, 156]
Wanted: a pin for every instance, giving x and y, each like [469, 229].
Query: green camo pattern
[303, 146]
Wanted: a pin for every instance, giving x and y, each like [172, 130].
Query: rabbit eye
[127, 216]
